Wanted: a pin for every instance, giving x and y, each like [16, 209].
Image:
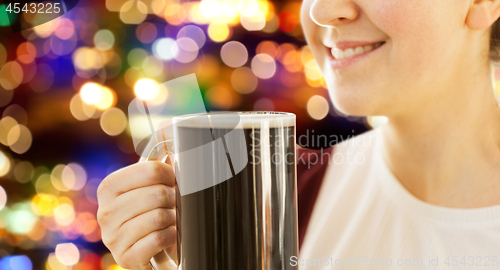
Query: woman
[423, 192]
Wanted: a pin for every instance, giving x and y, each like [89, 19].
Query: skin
[136, 213]
[432, 79]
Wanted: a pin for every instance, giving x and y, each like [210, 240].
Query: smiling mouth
[340, 54]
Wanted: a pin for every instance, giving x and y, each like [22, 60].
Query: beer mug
[236, 194]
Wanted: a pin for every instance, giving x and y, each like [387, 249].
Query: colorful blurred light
[185, 50]
[44, 205]
[56, 177]
[86, 223]
[263, 66]
[317, 107]
[3, 53]
[16, 262]
[64, 214]
[81, 110]
[43, 27]
[44, 187]
[3, 198]
[91, 93]
[133, 12]
[115, 5]
[115, 267]
[26, 52]
[113, 121]
[146, 89]
[234, 54]
[17, 112]
[162, 48]
[107, 99]
[85, 58]
[287, 21]
[66, 29]
[19, 139]
[91, 190]
[292, 61]
[74, 176]
[312, 70]
[104, 39]
[228, 13]
[268, 47]
[157, 6]
[306, 55]
[24, 172]
[193, 32]
[271, 24]
[67, 253]
[252, 19]
[146, 32]
[263, 104]
[220, 97]
[5, 164]
[54, 264]
[136, 57]
[209, 8]
[219, 32]
[152, 66]
[6, 125]
[20, 219]
[175, 14]
[243, 80]
[11, 75]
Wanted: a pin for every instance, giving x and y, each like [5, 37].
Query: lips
[349, 52]
[344, 54]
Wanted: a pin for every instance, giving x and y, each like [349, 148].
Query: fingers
[135, 176]
[145, 248]
[133, 212]
[134, 203]
[136, 228]
[172, 252]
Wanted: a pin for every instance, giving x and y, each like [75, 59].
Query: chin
[355, 101]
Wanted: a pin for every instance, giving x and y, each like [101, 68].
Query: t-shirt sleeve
[311, 168]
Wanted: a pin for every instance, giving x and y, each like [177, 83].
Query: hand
[136, 213]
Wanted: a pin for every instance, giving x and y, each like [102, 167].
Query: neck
[448, 154]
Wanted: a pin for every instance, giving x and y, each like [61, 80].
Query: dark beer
[249, 221]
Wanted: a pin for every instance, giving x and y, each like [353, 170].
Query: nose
[333, 12]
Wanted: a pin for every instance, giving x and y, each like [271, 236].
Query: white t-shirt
[365, 219]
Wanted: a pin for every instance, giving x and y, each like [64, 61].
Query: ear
[482, 14]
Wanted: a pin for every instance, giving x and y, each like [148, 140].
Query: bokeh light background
[65, 86]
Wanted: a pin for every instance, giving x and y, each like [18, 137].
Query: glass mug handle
[161, 152]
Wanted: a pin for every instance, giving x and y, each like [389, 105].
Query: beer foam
[250, 119]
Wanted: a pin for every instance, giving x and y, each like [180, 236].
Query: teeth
[338, 54]
[359, 50]
[350, 52]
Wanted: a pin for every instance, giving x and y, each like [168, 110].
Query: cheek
[415, 30]
[401, 18]
[389, 16]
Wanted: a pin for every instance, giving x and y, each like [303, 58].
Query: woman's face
[423, 49]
